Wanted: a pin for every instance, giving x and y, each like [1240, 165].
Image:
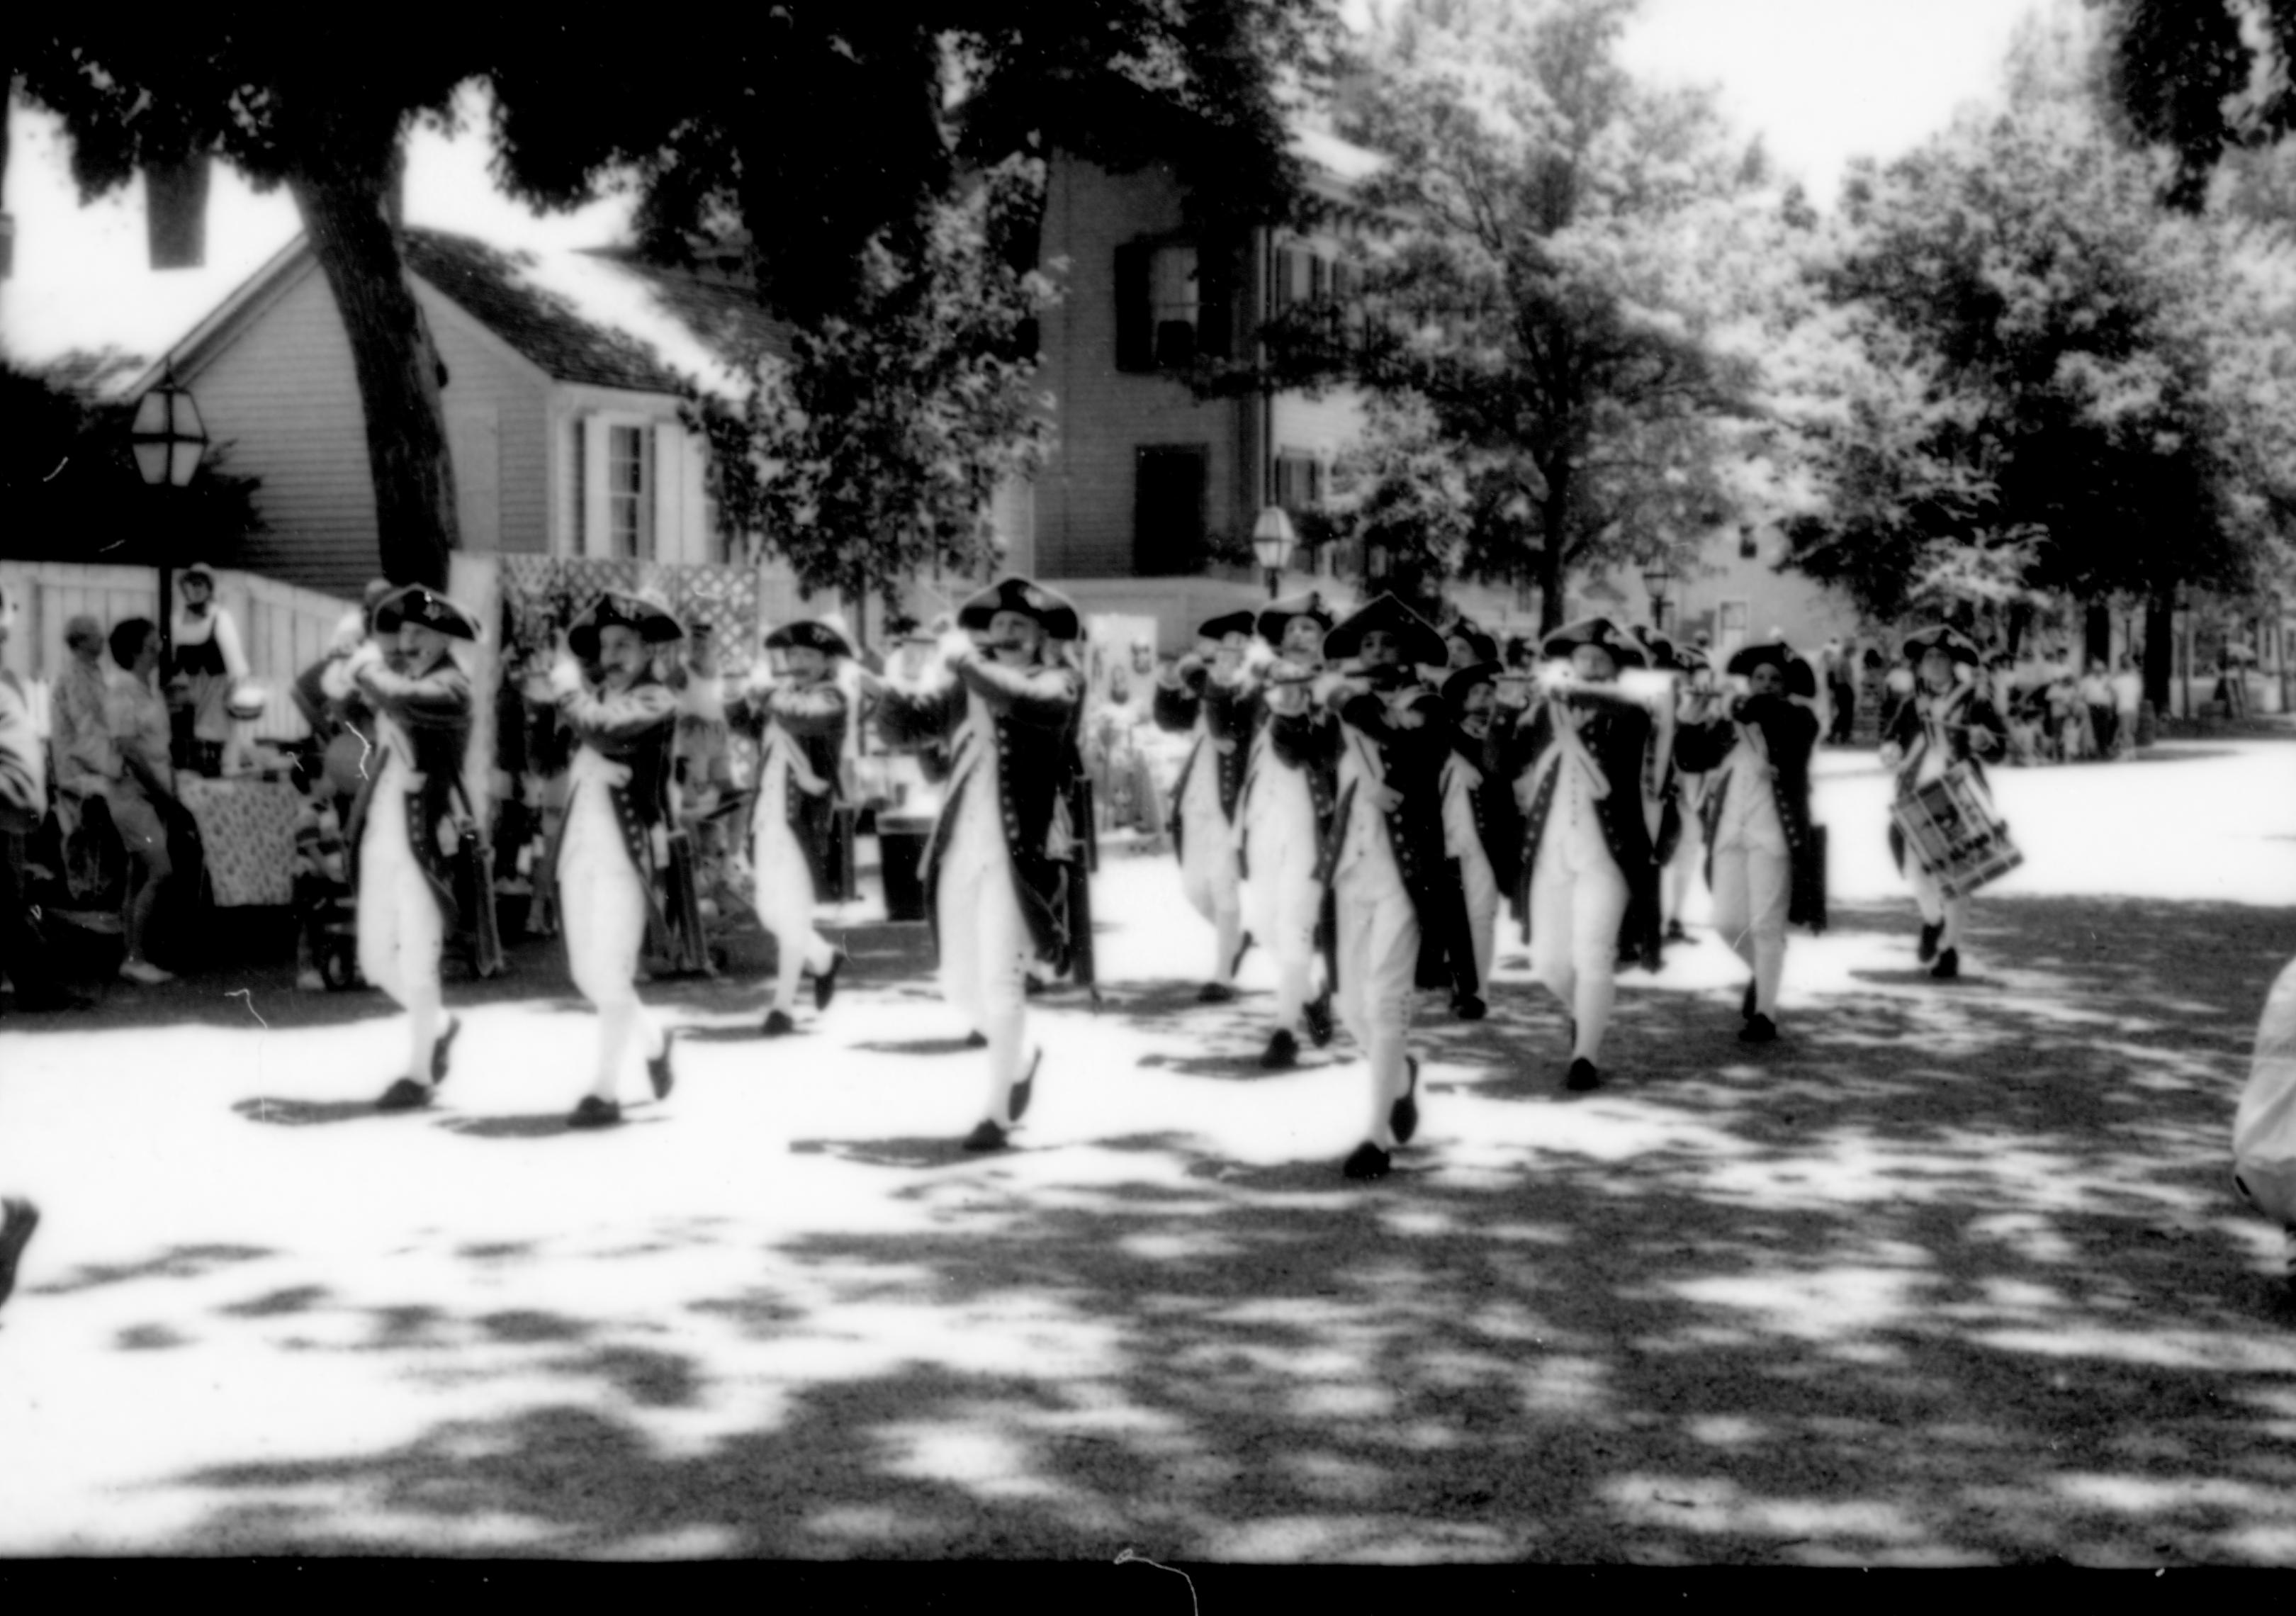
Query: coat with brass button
[1035, 712]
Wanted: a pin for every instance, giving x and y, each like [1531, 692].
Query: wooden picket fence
[283, 628]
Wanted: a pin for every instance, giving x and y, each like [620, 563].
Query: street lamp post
[1656, 577]
[169, 440]
[1272, 541]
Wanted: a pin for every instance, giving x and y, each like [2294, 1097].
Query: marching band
[1360, 798]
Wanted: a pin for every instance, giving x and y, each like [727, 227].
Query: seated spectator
[23, 804]
[91, 768]
[246, 757]
[321, 873]
[144, 791]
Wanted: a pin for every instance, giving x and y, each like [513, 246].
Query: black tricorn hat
[1422, 645]
[425, 608]
[653, 623]
[1276, 615]
[1950, 641]
[1599, 632]
[810, 635]
[1054, 611]
[1773, 654]
[1228, 623]
[1464, 680]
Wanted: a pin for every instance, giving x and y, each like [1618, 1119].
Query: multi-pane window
[1173, 304]
[1299, 277]
[629, 493]
[1298, 481]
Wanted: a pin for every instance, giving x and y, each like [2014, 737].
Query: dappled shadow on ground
[1950, 1274]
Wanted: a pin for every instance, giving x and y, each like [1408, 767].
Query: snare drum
[1952, 832]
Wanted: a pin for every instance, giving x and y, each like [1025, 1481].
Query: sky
[1820, 80]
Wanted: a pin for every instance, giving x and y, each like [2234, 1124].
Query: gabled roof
[601, 317]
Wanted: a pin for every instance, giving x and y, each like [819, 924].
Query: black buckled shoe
[1948, 967]
[1282, 1054]
[1468, 1007]
[1585, 1078]
[976, 1040]
[1318, 1012]
[658, 1071]
[442, 1051]
[1759, 1030]
[404, 1094]
[1026, 1088]
[777, 1023]
[594, 1113]
[1215, 993]
[1675, 933]
[17, 1219]
[1928, 949]
[1403, 1116]
[1369, 1161]
[824, 986]
[986, 1136]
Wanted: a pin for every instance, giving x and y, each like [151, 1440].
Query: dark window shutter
[1287, 278]
[1216, 283]
[1135, 335]
[1319, 273]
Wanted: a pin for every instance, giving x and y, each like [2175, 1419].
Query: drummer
[1946, 722]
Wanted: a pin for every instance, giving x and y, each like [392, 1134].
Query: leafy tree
[868, 453]
[814, 128]
[68, 486]
[1547, 293]
[2202, 77]
[2058, 373]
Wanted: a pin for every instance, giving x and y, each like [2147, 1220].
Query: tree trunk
[2160, 645]
[344, 212]
[1553, 513]
[2097, 631]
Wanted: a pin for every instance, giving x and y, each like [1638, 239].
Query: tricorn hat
[653, 623]
[1276, 615]
[1773, 654]
[1464, 680]
[1220, 627]
[425, 608]
[1422, 645]
[1052, 609]
[1599, 632]
[198, 569]
[810, 635]
[1950, 641]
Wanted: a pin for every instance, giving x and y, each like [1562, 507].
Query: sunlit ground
[1949, 1274]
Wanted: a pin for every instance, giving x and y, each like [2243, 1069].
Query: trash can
[900, 862]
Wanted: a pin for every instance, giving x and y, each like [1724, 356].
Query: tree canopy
[2054, 382]
[824, 133]
[1544, 300]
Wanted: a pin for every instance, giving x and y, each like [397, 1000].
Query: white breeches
[1378, 957]
[785, 908]
[1674, 880]
[1281, 901]
[602, 909]
[1482, 892]
[1208, 868]
[400, 931]
[1574, 937]
[985, 950]
[1753, 888]
[1937, 909]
